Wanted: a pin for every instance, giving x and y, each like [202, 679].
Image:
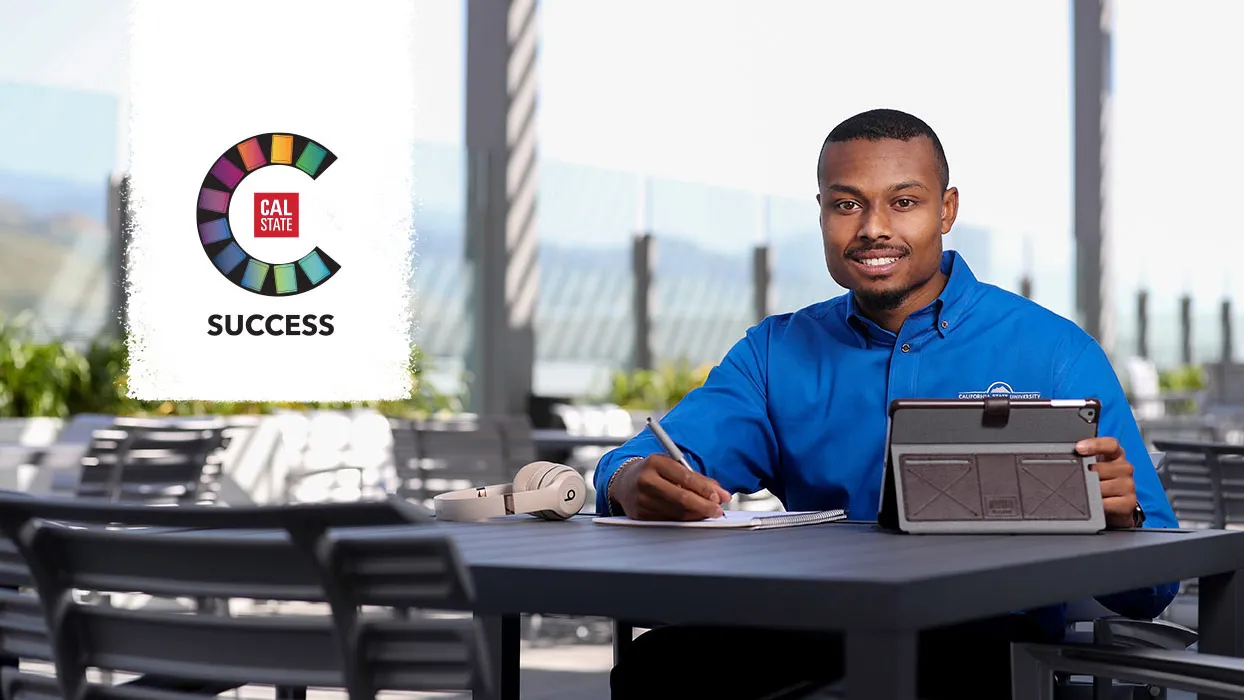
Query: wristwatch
[1138, 516]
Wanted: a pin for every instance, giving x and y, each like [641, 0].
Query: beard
[888, 300]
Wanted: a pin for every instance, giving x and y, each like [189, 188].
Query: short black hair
[878, 124]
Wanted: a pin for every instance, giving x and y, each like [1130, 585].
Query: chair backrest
[150, 461]
[81, 426]
[1226, 382]
[1204, 482]
[405, 449]
[1185, 428]
[304, 552]
[456, 455]
[519, 444]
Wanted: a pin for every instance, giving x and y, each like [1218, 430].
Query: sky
[62, 76]
[740, 94]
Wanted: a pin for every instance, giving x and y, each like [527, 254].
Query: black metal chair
[1205, 484]
[304, 552]
[452, 455]
[1201, 480]
[405, 455]
[519, 446]
[1209, 674]
[152, 460]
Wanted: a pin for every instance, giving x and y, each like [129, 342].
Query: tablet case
[992, 465]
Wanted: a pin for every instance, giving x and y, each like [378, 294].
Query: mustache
[860, 250]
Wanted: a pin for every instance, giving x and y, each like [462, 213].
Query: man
[798, 407]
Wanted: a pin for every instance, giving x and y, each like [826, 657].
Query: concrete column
[1185, 328]
[643, 307]
[1091, 49]
[119, 240]
[501, 85]
[1142, 323]
[1025, 278]
[1228, 349]
[762, 282]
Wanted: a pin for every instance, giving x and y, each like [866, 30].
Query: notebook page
[736, 519]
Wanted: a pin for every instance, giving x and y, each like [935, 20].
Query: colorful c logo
[223, 249]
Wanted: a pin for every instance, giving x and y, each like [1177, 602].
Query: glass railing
[440, 281]
[800, 277]
[588, 218]
[57, 263]
[704, 282]
[1165, 337]
[56, 259]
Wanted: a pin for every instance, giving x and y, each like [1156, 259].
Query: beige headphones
[546, 490]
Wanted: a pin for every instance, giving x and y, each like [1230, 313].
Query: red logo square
[276, 215]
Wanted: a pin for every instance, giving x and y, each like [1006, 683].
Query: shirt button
[906, 347]
[945, 324]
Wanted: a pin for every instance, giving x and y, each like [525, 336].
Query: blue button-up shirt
[799, 405]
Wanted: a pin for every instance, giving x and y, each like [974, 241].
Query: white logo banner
[271, 198]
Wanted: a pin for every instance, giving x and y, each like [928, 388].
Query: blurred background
[674, 180]
[593, 238]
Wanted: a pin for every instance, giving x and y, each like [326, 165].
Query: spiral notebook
[740, 519]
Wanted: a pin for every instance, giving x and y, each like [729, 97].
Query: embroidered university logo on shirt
[1000, 389]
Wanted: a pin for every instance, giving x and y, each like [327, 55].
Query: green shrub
[659, 389]
[37, 379]
[59, 380]
[1181, 379]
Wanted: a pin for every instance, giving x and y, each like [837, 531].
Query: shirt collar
[945, 312]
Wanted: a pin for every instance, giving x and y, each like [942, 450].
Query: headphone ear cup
[571, 494]
[566, 482]
[529, 477]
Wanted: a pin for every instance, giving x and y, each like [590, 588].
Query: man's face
[883, 214]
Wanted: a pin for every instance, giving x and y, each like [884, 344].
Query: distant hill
[31, 263]
[798, 255]
[53, 251]
[43, 197]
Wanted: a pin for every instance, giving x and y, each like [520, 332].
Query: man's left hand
[1114, 472]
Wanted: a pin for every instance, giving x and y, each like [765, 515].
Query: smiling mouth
[878, 262]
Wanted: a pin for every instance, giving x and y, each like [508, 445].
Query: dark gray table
[879, 588]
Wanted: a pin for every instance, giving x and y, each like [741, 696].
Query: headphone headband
[479, 503]
[545, 489]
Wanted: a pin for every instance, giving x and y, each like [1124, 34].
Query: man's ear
[950, 208]
[818, 199]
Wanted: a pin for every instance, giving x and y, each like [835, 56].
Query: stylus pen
[667, 443]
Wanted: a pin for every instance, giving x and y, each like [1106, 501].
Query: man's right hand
[660, 488]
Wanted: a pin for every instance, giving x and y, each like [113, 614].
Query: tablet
[991, 465]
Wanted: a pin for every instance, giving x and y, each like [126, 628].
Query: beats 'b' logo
[272, 216]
